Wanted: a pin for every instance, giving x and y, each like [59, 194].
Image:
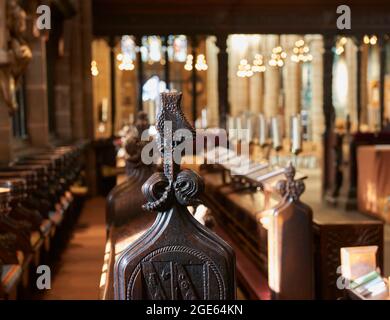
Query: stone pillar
[256, 81]
[113, 78]
[212, 82]
[223, 81]
[140, 73]
[358, 80]
[364, 85]
[317, 110]
[36, 95]
[87, 114]
[5, 119]
[331, 160]
[167, 64]
[351, 60]
[62, 95]
[382, 73]
[292, 84]
[79, 113]
[194, 77]
[238, 87]
[272, 82]
[3, 33]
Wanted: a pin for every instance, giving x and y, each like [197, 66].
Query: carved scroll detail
[162, 190]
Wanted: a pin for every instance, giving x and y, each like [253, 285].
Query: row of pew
[243, 202]
[41, 196]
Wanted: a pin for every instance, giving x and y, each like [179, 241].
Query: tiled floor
[77, 274]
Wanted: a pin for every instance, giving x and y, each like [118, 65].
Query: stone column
[272, 82]
[238, 87]
[317, 111]
[292, 84]
[113, 83]
[5, 119]
[212, 82]
[140, 73]
[62, 95]
[79, 113]
[36, 95]
[351, 60]
[256, 81]
[194, 77]
[3, 33]
[364, 85]
[382, 73]
[223, 80]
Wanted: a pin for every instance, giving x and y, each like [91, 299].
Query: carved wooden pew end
[177, 258]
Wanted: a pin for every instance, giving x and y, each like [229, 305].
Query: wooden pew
[13, 261]
[41, 202]
[126, 221]
[169, 261]
[241, 218]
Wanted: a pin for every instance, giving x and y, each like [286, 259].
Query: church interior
[194, 150]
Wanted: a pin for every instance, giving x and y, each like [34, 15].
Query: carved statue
[19, 55]
[177, 258]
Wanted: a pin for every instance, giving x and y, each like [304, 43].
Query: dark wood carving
[290, 243]
[10, 241]
[238, 218]
[177, 258]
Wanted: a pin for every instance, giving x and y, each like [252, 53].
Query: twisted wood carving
[177, 258]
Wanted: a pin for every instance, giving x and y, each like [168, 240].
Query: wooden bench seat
[238, 212]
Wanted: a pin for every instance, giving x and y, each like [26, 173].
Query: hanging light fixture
[125, 57]
[201, 64]
[126, 63]
[189, 62]
[258, 64]
[244, 69]
[301, 52]
[370, 40]
[277, 57]
[94, 68]
[340, 46]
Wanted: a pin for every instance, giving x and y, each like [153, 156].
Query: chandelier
[370, 40]
[258, 64]
[340, 45]
[277, 57]
[189, 62]
[126, 62]
[244, 69]
[94, 68]
[301, 52]
[200, 65]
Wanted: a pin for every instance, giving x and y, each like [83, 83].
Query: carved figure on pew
[120, 206]
[290, 238]
[177, 258]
